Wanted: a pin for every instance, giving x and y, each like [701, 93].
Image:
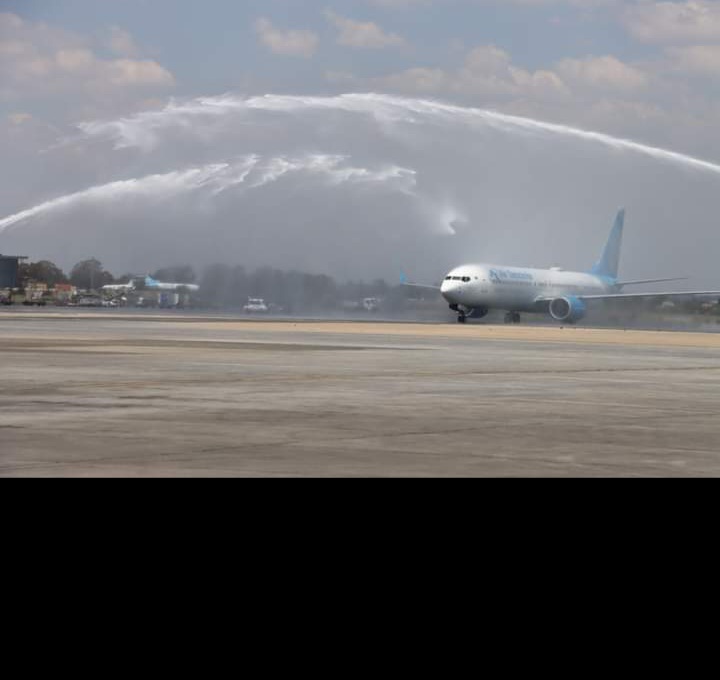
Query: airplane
[119, 287]
[151, 284]
[473, 290]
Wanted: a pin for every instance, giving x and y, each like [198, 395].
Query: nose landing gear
[463, 312]
[512, 317]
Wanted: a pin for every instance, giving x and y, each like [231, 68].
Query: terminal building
[9, 270]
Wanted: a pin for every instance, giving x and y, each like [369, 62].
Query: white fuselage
[120, 288]
[517, 289]
[191, 287]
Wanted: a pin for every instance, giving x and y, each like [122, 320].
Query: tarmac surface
[120, 395]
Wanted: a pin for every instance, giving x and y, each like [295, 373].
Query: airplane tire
[462, 318]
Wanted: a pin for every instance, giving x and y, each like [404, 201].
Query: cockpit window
[465, 278]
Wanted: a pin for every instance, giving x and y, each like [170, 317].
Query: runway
[164, 395]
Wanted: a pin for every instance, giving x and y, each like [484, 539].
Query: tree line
[86, 275]
[223, 285]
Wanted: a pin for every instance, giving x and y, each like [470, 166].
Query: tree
[90, 275]
[43, 271]
[216, 284]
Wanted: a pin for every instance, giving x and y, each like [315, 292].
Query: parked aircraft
[149, 283]
[152, 284]
[473, 290]
[119, 288]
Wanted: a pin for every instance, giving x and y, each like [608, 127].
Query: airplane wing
[632, 296]
[637, 283]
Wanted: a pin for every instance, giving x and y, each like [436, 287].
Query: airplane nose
[447, 289]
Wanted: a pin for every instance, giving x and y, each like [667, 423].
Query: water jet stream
[142, 129]
[248, 172]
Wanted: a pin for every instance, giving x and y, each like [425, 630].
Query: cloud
[363, 35]
[488, 73]
[696, 60]
[41, 62]
[653, 98]
[122, 43]
[406, 4]
[292, 43]
[394, 4]
[602, 73]
[693, 21]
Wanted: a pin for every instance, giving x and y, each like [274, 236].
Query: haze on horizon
[139, 133]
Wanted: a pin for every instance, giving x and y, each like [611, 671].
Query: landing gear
[462, 315]
[512, 317]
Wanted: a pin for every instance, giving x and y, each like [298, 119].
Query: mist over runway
[362, 186]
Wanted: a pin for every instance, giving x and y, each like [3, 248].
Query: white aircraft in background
[151, 284]
[119, 287]
[473, 290]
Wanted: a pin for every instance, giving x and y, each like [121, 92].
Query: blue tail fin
[609, 261]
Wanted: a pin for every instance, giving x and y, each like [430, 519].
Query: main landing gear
[512, 317]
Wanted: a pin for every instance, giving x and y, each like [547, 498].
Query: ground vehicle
[256, 306]
[89, 301]
[371, 304]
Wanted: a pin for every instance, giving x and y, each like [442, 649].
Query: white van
[256, 306]
[371, 304]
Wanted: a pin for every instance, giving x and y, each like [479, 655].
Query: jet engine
[567, 309]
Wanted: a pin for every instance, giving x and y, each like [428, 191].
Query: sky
[350, 136]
